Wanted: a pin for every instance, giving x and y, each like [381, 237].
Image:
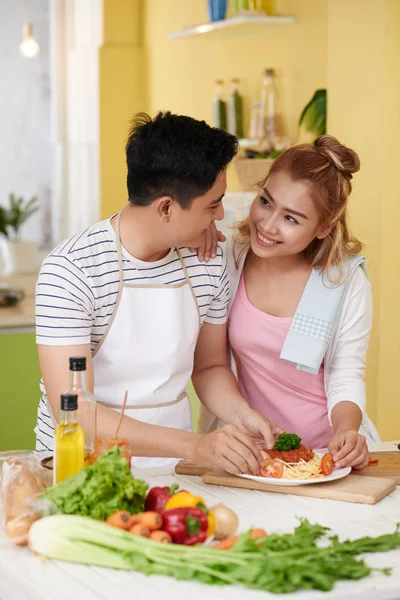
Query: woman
[301, 313]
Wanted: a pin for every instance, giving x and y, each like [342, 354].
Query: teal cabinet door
[20, 391]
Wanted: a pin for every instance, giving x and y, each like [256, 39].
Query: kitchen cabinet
[19, 389]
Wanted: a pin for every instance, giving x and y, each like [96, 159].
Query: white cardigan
[344, 362]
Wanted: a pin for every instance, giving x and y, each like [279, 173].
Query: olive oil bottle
[68, 441]
[86, 414]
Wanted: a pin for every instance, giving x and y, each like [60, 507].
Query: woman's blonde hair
[327, 167]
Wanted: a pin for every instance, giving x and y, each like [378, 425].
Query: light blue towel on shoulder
[317, 317]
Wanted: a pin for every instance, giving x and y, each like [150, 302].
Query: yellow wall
[364, 112]
[182, 71]
[123, 92]
[389, 328]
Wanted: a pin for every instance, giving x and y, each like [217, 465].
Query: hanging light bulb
[29, 46]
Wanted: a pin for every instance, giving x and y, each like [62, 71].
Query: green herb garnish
[287, 441]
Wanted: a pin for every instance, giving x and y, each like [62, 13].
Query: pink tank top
[295, 400]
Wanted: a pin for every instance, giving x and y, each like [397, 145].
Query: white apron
[148, 349]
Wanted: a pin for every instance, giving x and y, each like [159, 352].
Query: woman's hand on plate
[349, 449]
[262, 430]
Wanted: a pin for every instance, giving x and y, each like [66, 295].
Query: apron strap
[119, 251]
[141, 406]
[121, 282]
[190, 285]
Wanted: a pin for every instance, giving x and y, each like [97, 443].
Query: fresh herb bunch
[278, 563]
[287, 441]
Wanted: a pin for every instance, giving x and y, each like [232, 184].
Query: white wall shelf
[242, 24]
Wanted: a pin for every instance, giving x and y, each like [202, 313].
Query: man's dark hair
[173, 155]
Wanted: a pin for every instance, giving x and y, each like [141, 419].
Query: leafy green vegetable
[277, 563]
[100, 490]
[287, 441]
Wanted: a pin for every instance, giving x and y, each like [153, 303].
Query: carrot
[151, 519]
[257, 533]
[140, 530]
[161, 536]
[227, 543]
[121, 519]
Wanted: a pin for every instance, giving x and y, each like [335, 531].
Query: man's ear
[163, 207]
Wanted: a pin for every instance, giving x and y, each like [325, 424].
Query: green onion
[277, 563]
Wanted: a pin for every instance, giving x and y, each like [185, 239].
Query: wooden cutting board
[187, 467]
[388, 466]
[353, 488]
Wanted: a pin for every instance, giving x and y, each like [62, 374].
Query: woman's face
[283, 218]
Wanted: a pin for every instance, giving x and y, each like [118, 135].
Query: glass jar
[103, 444]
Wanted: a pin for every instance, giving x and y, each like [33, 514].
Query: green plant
[14, 217]
[312, 122]
[3, 221]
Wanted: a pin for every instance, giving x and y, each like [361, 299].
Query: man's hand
[227, 448]
[263, 431]
[349, 449]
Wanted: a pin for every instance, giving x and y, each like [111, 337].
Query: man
[129, 295]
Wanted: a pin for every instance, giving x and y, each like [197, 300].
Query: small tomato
[327, 464]
[271, 468]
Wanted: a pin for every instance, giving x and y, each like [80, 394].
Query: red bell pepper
[158, 497]
[186, 525]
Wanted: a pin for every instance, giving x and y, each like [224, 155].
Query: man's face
[188, 225]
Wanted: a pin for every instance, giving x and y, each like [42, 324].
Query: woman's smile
[266, 241]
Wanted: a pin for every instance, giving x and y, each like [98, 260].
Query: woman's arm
[345, 381]
[218, 390]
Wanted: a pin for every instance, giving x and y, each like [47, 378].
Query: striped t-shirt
[78, 285]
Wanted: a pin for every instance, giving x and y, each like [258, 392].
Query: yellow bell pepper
[211, 523]
[184, 499]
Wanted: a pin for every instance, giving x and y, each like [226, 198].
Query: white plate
[336, 474]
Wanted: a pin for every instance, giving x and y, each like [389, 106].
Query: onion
[226, 521]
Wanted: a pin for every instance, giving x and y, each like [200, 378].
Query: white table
[26, 577]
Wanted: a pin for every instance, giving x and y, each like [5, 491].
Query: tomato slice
[327, 464]
[372, 462]
[271, 468]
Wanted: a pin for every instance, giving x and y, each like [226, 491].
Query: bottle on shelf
[270, 123]
[219, 106]
[68, 440]
[235, 110]
[254, 119]
[244, 6]
[86, 402]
